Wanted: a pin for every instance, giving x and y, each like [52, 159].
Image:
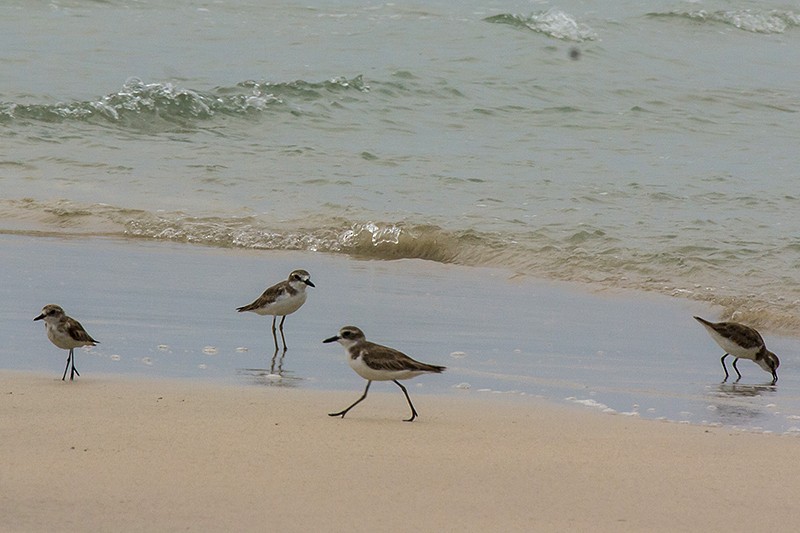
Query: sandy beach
[539, 198]
[108, 453]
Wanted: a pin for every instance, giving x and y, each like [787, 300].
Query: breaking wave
[553, 23]
[139, 104]
[752, 20]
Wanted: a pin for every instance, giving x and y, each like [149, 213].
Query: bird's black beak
[309, 283]
[332, 339]
[39, 317]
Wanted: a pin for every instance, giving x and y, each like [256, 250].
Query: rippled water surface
[648, 146]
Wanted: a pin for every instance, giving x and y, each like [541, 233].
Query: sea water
[651, 146]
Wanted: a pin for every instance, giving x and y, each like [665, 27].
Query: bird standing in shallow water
[66, 333]
[374, 362]
[281, 299]
[742, 342]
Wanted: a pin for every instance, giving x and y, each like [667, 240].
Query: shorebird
[66, 333]
[742, 342]
[281, 299]
[374, 362]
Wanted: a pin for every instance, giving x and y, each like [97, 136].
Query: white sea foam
[553, 22]
[591, 403]
[561, 25]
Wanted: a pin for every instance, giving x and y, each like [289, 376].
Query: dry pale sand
[113, 454]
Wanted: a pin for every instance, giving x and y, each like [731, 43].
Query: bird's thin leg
[282, 337]
[411, 405]
[342, 413]
[722, 360]
[274, 337]
[69, 358]
[774, 377]
[280, 363]
[737, 370]
[274, 358]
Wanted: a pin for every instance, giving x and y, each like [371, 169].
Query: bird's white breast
[286, 304]
[61, 338]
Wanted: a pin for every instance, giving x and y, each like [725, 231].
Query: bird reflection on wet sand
[735, 404]
[275, 376]
[738, 390]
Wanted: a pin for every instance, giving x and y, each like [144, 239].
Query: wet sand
[168, 310]
[110, 453]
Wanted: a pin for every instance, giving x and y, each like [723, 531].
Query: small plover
[66, 333]
[742, 342]
[281, 299]
[374, 362]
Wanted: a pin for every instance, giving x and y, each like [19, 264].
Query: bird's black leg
[722, 360]
[279, 370]
[342, 413]
[282, 337]
[69, 358]
[737, 370]
[73, 371]
[411, 405]
[274, 359]
[774, 377]
[274, 337]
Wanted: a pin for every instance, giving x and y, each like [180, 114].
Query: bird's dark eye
[346, 334]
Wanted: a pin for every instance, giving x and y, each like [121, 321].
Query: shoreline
[165, 455]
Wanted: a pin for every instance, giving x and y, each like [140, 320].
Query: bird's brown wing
[271, 295]
[380, 357]
[76, 331]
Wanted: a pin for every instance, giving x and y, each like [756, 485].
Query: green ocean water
[616, 144]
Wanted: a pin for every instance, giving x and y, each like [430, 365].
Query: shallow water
[618, 144]
[168, 310]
